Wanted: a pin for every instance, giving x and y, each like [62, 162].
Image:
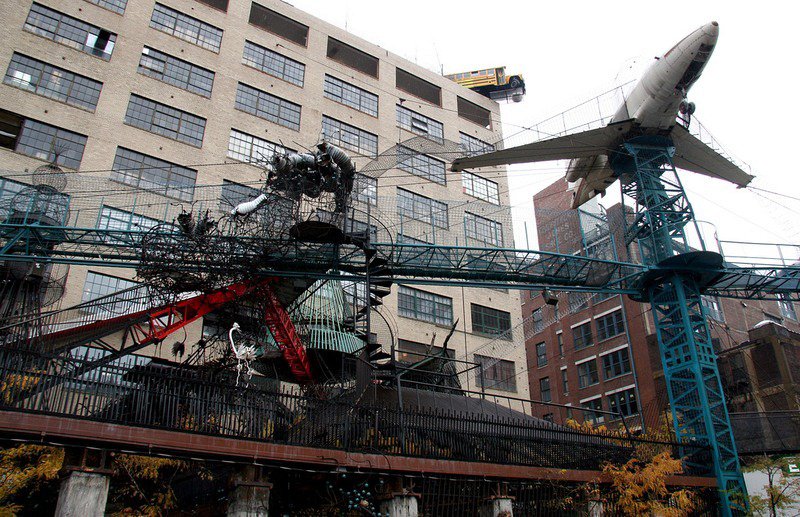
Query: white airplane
[651, 109]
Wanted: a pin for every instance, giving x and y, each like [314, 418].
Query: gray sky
[569, 52]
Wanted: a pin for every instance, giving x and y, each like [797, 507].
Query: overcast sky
[569, 52]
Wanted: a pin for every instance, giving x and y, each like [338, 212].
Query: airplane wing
[692, 154]
[577, 145]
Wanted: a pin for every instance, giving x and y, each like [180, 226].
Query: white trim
[582, 322]
[559, 331]
[629, 386]
[606, 313]
[587, 399]
[563, 368]
[611, 351]
[585, 359]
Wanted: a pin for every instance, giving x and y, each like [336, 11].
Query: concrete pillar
[83, 494]
[250, 495]
[497, 506]
[596, 509]
[400, 505]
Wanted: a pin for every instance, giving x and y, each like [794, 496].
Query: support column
[497, 506]
[250, 495]
[403, 504]
[84, 489]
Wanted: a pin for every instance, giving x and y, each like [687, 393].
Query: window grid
[365, 189]
[537, 318]
[421, 165]
[176, 72]
[623, 402]
[146, 172]
[53, 82]
[49, 143]
[165, 121]
[496, 374]
[420, 124]
[486, 320]
[118, 6]
[480, 188]
[235, 193]
[251, 149]
[274, 64]
[610, 325]
[587, 373]
[787, 307]
[541, 354]
[483, 230]
[269, 107]
[70, 31]
[616, 364]
[98, 286]
[424, 306]
[115, 219]
[544, 389]
[560, 340]
[593, 406]
[472, 146]
[350, 95]
[421, 208]
[713, 308]
[565, 381]
[349, 137]
[186, 28]
[582, 336]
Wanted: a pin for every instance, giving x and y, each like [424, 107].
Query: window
[99, 286]
[712, 307]
[165, 120]
[278, 24]
[350, 95]
[610, 325]
[352, 57]
[421, 165]
[472, 146]
[541, 354]
[267, 106]
[57, 206]
[493, 322]
[537, 318]
[424, 306]
[118, 6]
[787, 307]
[421, 208]
[410, 352]
[484, 231]
[176, 72]
[593, 415]
[616, 363]
[365, 189]
[115, 219]
[560, 339]
[418, 87]
[186, 28]
[497, 374]
[40, 140]
[70, 31]
[587, 373]
[564, 381]
[274, 64]
[420, 124]
[222, 5]
[544, 389]
[53, 82]
[235, 193]
[143, 171]
[349, 137]
[480, 188]
[474, 113]
[582, 336]
[623, 402]
[251, 149]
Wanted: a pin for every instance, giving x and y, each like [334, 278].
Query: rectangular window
[480, 188]
[70, 31]
[623, 402]
[350, 95]
[235, 193]
[251, 149]
[115, 219]
[479, 230]
[278, 24]
[352, 57]
[420, 124]
[146, 172]
[541, 354]
[421, 165]
[165, 120]
[582, 336]
[421, 208]
[712, 307]
[560, 339]
[222, 5]
[186, 28]
[592, 415]
[267, 106]
[118, 6]
[564, 381]
[58, 205]
[616, 364]
[472, 146]
[98, 285]
[787, 307]
[496, 374]
[274, 64]
[176, 72]
[424, 306]
[493, 322]
[474, 113]
[410, 352]
[365, 189]
[610, 325]
[418, 87]
[544, 389]
[53, 82]
[537, 319]
[587, 373]
[349, 137]
[40, 140]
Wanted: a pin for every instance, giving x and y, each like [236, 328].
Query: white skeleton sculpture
[243, 353]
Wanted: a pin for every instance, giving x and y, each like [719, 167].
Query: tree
[27, 472]
[781, 491]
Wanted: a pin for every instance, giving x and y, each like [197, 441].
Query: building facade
[172, 96]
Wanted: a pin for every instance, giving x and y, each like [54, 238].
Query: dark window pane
[268, 106]
[53, 82]
[278, 24]
[165, 120]
[146, 172]
[473, 112]
[70, 31]
[176, 72]
[352, 57]
[418, 87]
[274, 64]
